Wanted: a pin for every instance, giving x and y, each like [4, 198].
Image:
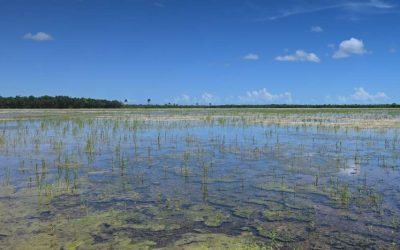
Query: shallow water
[138, 180]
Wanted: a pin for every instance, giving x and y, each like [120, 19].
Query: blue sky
[186, 51]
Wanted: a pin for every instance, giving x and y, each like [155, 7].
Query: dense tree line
[55, 102]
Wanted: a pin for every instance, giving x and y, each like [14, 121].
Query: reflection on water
[136, 181]
[351, 169]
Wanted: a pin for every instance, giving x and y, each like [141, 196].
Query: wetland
[200, 179]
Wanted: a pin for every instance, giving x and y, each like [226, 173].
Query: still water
[140, 181]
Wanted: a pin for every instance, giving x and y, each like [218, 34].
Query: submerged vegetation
[200, 179]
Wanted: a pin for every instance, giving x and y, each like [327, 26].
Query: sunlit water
[133, 183]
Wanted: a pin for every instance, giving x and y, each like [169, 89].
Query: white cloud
[392, 50]
[263, 96]
[353, 46]
[362, 96]
[39, 37]
[204, 98]
[316, 29]
[209, 98]
[299, 55]
[182, 99]
[251, 57]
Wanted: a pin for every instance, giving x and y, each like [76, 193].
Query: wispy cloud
[348, 6]
[159, 4]
[209, 98]
[182, 99]
[300, 10]
[361, 96]
[38, 37]
[263, 96]
[205, 98]
[299, 55]
[316, 29]
[350, 47]
[251, 57]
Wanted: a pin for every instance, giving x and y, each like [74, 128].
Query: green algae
[117, 242]
[216, 241]
[284, 233]
[81, 231]
[216, 219]
[126, 243]
[286, 215]
[210, 216]
[73, 245]
[243, 212]
[350, 240]
[40, 241]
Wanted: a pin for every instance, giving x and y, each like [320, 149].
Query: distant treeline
[393, 105]
[64, 102]
[55, 102]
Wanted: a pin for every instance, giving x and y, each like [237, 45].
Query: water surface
[193, 179]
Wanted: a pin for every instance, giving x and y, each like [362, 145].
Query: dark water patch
[43, 216]
[3, 236]
[65, 201]
[341, 240]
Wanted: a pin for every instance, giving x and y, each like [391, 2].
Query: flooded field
[200, 178]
